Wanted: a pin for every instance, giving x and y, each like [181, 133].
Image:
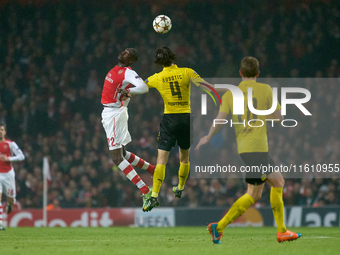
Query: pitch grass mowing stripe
[163, 241]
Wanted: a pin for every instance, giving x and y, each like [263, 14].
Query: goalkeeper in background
[252, 146]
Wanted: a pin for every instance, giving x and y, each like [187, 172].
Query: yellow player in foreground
[252, 145]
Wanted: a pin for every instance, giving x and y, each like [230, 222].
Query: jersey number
[175, 90]
[10, 192]
[111, 140]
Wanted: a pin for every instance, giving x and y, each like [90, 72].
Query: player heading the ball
[115, 116]
[173, 84]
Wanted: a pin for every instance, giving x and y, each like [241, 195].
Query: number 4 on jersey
[175, 90]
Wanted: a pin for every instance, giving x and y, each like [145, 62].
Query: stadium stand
[52, 72]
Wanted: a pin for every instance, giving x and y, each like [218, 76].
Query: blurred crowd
[54, 58]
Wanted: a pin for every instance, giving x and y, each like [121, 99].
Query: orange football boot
[215, 235]
[287, 236]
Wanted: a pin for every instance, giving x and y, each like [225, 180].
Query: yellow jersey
[173, 83]
[250, 139]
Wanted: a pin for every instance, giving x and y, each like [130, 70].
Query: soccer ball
[162, 24]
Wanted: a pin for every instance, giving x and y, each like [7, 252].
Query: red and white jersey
[13, 152]
[121, 78]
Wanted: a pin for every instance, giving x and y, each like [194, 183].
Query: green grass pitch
[163, 241]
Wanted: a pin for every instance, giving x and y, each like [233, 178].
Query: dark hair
[3, 125]
[165, 57]
[134, 54]
[249, 67]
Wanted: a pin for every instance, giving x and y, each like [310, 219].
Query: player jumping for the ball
[252, 145]
[115, 117]
[173, 84]
[9, 152]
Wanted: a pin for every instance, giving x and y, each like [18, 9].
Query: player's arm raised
[213, 130]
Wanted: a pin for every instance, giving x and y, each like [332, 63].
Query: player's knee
[184, 160]
[279, 183]
[282, 183]
[256, 196]
[184, 156]
[117, 158]
[162, 160]
[163, 157]
[124, 151]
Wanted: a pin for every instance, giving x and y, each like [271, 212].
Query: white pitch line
[70, 240]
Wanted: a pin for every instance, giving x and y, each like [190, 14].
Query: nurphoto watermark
[303, 142]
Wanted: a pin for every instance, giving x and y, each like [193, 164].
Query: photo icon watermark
[303, 143]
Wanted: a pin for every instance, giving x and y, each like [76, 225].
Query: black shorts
[175, 128]
[257, 159]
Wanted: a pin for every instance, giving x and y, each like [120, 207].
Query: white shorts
[115, 123]
[7, 183]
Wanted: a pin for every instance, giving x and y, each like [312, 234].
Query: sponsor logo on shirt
[178, 103]
[109, 79]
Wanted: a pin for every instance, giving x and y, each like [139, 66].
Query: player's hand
[125, 92]
[203, 140]
[125, 97]
[4, 158]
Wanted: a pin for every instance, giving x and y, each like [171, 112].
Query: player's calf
[132, 175]
[9, 206]
[136, 161]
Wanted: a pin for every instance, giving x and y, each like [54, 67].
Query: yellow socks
[159, 175]
[158, 178]
[183, 173]
[277, 206]
[236, 210]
